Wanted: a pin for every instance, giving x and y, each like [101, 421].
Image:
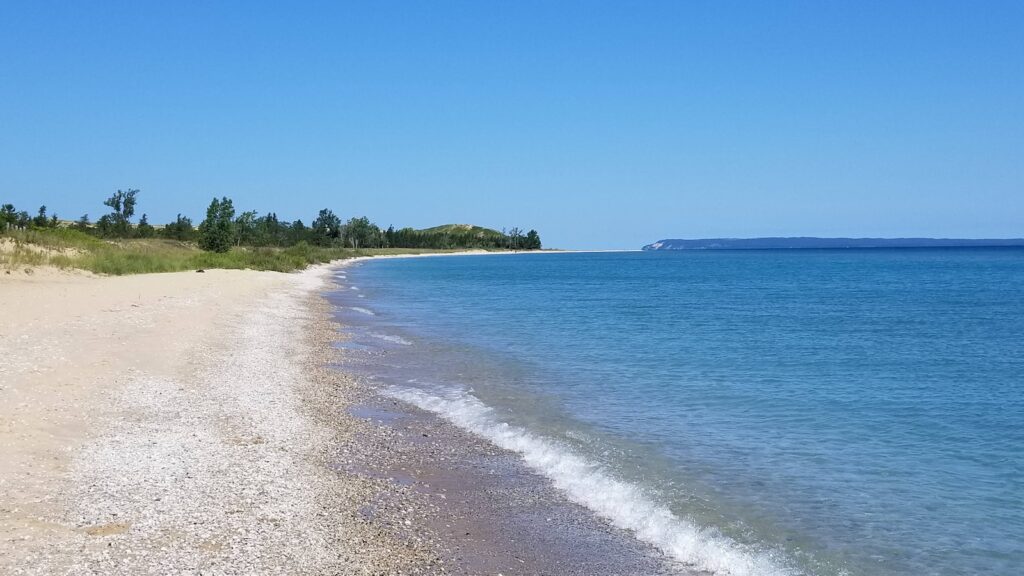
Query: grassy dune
[66, 248]
[461, 229]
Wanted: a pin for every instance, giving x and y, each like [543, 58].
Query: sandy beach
[198, 423]
[176, 423]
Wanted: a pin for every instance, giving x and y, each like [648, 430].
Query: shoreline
[491, 513]
[182, 422]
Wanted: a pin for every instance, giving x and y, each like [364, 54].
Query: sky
[600, 124]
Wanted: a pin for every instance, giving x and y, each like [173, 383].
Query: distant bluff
[810, 242]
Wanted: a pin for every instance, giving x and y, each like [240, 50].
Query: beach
[177, 424]
[516, 415]
[193, 423]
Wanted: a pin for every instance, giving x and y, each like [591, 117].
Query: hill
[469, 229]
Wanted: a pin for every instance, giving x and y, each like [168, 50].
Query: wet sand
[490, 513]
[485, 509]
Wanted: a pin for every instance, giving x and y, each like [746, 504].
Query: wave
[623, 504]
[391, 338]
[353, 287]
[362, 310]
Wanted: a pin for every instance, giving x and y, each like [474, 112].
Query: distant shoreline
[811, 242]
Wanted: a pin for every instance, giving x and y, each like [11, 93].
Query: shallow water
[748, 412]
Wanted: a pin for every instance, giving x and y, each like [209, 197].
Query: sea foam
[391, 338]
[362, 310]
[623, 504]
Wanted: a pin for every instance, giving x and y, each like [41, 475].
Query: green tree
[361, 233]
[515, 238]
[245, 228]
[298, 232]
[266, 231]
[144, 229]
[217, 232]
[122, 205]
[104, 226]
[181, 229]
[326, 228]
[8, 217]
[82, 224]
[532, 240]
[41, 221]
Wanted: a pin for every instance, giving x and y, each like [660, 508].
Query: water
[748, 412]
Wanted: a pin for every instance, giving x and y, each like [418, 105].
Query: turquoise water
[748, 412]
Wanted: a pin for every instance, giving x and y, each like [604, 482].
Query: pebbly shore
[253, 451]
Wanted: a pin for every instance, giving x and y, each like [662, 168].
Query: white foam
[391, 338]
[623, 504]
[362, 310]
[353, 288]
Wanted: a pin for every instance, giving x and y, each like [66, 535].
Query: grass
[67, 248]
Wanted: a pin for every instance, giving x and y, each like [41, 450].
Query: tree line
[223, 229]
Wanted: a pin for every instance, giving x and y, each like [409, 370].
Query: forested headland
[117, 242]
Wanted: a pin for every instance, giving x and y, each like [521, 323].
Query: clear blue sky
[603, 125]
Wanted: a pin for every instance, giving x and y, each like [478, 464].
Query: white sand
[160, 424]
